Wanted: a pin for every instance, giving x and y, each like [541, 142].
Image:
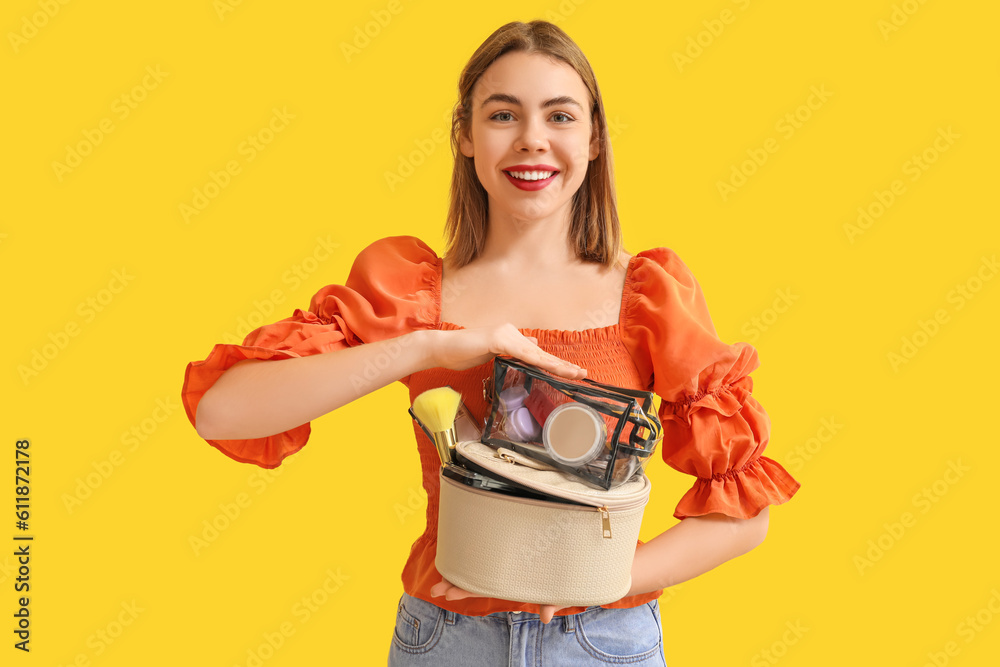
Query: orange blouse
[664, 341]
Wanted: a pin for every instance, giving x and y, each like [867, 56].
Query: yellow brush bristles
[437, 408]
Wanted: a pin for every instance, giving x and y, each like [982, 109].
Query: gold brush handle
[445, 443]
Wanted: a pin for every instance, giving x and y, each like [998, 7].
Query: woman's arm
[256, 398]
[692, 547]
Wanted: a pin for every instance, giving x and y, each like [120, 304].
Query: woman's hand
[460, 349]
[452, 592]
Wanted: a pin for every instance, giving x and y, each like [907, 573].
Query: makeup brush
[436, 409]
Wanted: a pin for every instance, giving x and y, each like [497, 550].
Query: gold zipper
[605, 521]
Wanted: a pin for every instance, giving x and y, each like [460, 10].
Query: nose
[532, 136]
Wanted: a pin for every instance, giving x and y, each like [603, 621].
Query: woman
[535, 269]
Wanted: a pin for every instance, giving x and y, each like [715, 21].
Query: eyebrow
[553, 102]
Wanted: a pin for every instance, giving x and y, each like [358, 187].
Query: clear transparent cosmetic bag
[601, 433]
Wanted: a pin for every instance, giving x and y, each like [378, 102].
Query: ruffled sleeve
[389, 292]
[713, 427]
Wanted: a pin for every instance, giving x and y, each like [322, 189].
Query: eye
[568, 118]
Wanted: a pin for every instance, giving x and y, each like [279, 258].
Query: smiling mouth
[530, 175]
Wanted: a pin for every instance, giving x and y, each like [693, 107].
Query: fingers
[456, 593]
[550, 362]
[465, 351]
[440, 588]
[450, 591]
[465, 348]
[561, 367]
[548, 611]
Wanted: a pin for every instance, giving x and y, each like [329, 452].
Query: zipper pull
[605, 521]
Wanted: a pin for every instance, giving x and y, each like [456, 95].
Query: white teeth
[531, 175]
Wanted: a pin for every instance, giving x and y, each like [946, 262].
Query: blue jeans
[429, 635]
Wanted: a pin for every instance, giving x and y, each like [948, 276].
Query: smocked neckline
[599, 333]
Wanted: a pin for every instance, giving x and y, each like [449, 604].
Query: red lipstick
[530, 185]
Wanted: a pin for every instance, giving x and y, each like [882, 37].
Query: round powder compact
[574, 434]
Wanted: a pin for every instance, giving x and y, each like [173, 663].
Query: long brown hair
[594, 230]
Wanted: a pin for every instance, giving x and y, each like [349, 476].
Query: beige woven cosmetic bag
[538, 551]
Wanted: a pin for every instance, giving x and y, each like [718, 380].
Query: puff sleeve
[387, 293]
[713, 427]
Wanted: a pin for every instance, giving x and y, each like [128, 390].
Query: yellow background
[897, 73]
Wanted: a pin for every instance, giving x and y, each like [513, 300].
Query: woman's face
[529, 109]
